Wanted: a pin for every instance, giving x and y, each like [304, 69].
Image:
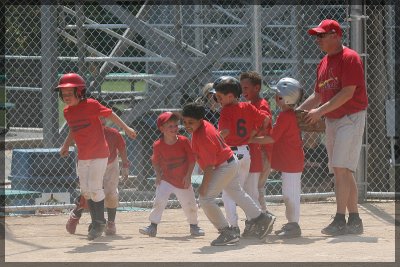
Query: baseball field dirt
[44, 239]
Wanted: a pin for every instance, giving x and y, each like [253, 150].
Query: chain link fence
[141, 60]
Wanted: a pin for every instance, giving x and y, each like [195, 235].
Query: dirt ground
[44, 239]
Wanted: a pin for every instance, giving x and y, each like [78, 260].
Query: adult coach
[340, 95]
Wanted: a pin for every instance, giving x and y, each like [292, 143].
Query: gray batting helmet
[289, 89]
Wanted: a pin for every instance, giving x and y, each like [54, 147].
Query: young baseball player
[238, 122]
[287, 152]
[260, 155]
[173, 162]
[220, 172]
[83, 118]
[116, 145]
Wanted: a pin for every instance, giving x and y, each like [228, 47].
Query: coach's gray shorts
[344, 139]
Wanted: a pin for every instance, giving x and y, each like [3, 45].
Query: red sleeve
[103, 111]
[352, 73]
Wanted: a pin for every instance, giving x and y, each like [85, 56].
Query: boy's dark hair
[253, 76]
[226, 85]
[194, 110]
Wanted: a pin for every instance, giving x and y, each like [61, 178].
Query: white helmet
[289, 89]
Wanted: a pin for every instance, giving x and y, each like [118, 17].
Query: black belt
[236, 148]
[230, 159]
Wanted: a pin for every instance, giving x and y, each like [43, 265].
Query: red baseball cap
[327, 25]
[164, 117]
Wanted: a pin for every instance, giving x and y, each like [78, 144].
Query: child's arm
[207, 175]
[125, 162]
[117, 120]
[261, 140]
[69, 140]
[158, 171]
[188, 177]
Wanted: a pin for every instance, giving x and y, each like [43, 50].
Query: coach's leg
[342, 189]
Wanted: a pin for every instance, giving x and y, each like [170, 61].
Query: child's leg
[229, 203]
[163, 191]
[251, 185]
[188, 202]
[263, 180]
[291, 188]
[111, 179]
[221, 177]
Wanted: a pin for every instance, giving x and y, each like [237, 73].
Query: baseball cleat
[289, 230]
[195, 230]
[335, 228]
[72, 222]
[96, 230]
[227, 237]
[150, 230]
[355, 227]
[110, 228]
[249, 229]
[264, 224]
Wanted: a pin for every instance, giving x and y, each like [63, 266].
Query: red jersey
[288, 155]
[173, 159]
[256, 164]
[86, 128]
[209, 146]
[338, 71]
[115, 142]
[240, 119]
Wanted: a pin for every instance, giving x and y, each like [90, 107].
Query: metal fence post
[356, 43]
[49, 75]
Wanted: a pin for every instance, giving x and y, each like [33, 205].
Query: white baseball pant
[185, 196]
[225, 177]
[291, 189]
[242, 153]
[110, 184]
[91, 173]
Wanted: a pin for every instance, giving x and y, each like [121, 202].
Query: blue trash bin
[43, 170]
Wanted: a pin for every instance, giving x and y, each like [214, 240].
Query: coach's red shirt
[337, 71]
[209, 146]
[87, 129]
[287, 151]
[174, 160]
[240, 119]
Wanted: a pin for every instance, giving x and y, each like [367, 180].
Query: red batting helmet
[72, 80]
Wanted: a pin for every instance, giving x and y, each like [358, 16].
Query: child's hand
[125, 173]
[158, 181]
[130, 133]
[64, 151]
